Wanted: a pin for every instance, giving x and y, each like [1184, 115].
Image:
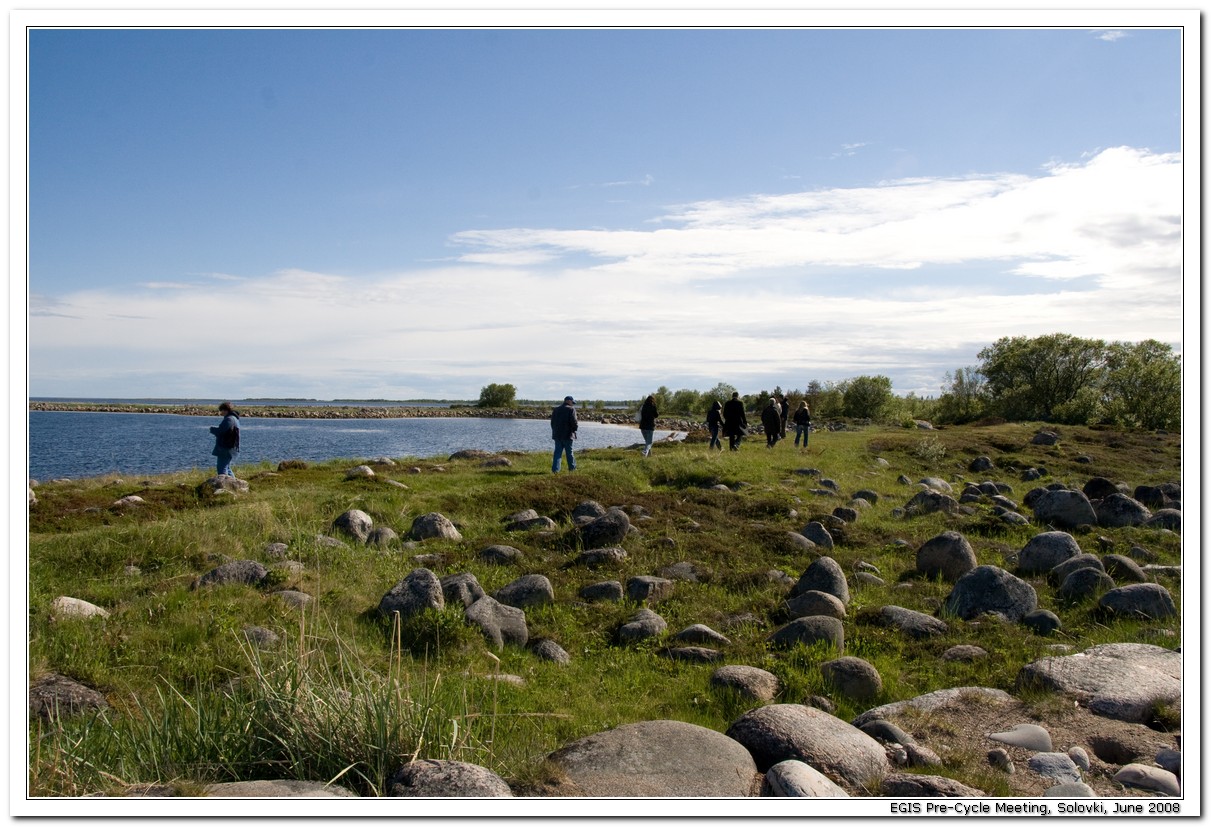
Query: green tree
[1053, 378]
[866, 397]
[685, 401]
[1143, 387]
[497, 396]
[964, 396]
[721, 392]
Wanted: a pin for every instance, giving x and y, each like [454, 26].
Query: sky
[416, 213]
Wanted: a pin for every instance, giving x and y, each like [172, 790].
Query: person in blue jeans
[226, 439]
[803, 423]
[563, 431]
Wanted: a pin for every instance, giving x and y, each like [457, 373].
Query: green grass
[347, 696]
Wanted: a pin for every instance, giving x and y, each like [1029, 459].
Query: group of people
[728, 417]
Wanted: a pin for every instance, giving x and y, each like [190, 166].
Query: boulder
[642, 625]
[1045, 551]
[1083, 584]
[1061, 571]
[607, 530]
[1123, 568]
[842, 752]
[53, 696]
[938, 700]
[381, 537]
[1099, 487]
[809, 631]
[599, 557]
[657, 759]
[811, 603]
[948, 555]
[1147, 600]
[500, 554]
[241, 572]
[1119, 510]
[928, 501]
[64, 607]
[818, 535]
[276, 788]
[915, 624]
[700, 633]
[609, 590]
[500, 624]
[432, 778]
[1124, 681]
[647, 588]
[1042, 622]
[434, 526]
[549, 650]
[1064, 509]
[418, 591]
[990, 589]
[461, 588]
[908, 785]
[823, 575]
[795, 779]
[526, 591]
[357, 524]
[1028, 736]
[1149, 778]
[854, 678]
[1169, 518]
[748, 681]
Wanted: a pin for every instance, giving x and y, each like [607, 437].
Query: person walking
[784, 408]
[647, 423]
[563, 431]
[734, 421]
[771, 422]
[226, 439]
[714, 420]
[803, 423]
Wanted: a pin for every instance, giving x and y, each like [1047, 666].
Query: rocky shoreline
[365, 412]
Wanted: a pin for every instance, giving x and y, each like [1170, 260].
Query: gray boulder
[818, 535]
[277, 788]
[1123, 568]
[1028, 736]
[812, 602]
[936, 701]
[915, 624]
[549, 650]
[1042, 622]
[1064, 509]
[990, 589]
[64, 607]
[434, 526]
[596, 557]
[500, 624]
[1081, 561]
[431, 778]
[590, 509]
[500, 554]
[1149, 778]
[700, 633]
[748, 681]
[1169, 518]
[947, 555]
[910, 785]
[854, 678]
[419, 591]
[526, 591]
[1147, 600]
[648, 588]
[610, 591]
[381, 537]
[780, 732]
[642, 625]
[928, 501]
[658, 759]
[809, 631]
[1083, 584]
[1119, 510]
[357, 524]
[53, 696]
[1124, 681]
[795, 779]
[823, 575]
[237, 572]
[607, 530]
[461, 588]
[1043, 552]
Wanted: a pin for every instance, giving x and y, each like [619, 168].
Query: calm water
[75, 444]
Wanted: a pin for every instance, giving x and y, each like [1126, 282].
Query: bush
[497, 396]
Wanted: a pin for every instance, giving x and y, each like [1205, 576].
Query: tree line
[1055, 378]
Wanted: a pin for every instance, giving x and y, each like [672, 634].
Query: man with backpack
[226, 439]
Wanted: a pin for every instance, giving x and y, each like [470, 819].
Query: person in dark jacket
[784, 408]
[734, 421]
[714, 421]
[563, 431]
[803, 423]
[771, 422]
[647, 423]
[226, 439]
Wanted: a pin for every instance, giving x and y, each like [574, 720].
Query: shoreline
[363, 412]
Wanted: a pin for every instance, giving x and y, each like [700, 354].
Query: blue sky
[417, 213]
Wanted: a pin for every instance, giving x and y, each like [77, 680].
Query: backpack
[231, 440]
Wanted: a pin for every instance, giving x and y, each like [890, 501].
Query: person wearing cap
[563, 431]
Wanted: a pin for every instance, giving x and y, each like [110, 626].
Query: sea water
[73, 444]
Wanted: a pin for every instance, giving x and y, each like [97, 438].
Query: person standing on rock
[226, 439]
[714, 421]
[563, 431]
[647, 423]
[734, 421]
[771, 422]
[803, 423]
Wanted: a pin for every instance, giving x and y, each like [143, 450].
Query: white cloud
[821, 284]
[1110, 35]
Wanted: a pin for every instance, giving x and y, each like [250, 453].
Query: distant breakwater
[360, 412]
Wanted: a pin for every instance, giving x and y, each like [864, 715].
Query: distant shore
[330, 411]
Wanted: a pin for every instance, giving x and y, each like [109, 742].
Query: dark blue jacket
[563, 422]
[224, 436]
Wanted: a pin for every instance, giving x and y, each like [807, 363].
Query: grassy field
[345, 695]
